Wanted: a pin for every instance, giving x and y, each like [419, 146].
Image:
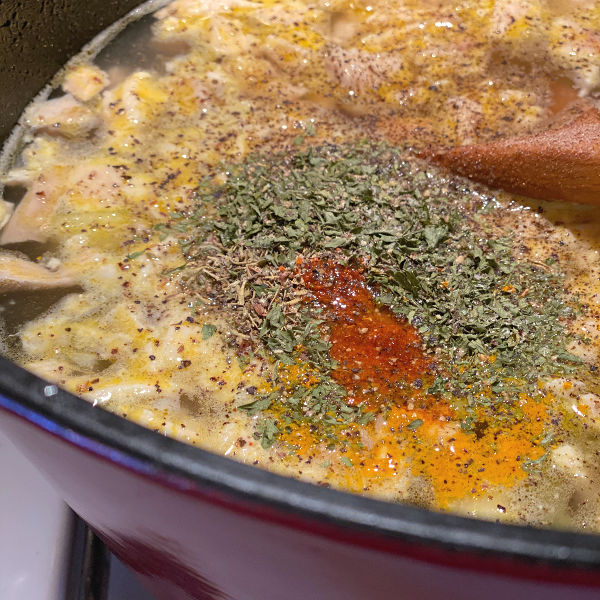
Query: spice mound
[391, 306]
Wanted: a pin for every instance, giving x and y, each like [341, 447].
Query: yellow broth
[106, 171]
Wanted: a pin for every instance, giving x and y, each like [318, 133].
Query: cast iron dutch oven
[194, 525]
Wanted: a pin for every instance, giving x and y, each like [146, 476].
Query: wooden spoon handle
[558, 164]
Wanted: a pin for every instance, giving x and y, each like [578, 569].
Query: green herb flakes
[434, 252]
[414, 425]
[208, 331]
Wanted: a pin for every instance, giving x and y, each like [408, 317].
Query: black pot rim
[173, 462]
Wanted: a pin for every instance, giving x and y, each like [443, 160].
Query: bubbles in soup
[246, 251]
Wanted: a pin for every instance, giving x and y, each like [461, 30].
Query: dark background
[37, 37]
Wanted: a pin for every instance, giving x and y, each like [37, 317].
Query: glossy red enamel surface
[187, 542]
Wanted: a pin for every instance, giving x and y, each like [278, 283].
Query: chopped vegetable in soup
[248, 251]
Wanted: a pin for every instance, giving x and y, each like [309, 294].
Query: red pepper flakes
[377, 352]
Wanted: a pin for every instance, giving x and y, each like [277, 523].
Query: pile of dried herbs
[433, 254]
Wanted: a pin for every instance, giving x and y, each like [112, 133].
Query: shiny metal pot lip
[395, 527]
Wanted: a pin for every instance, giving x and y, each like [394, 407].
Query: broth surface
[248, 255]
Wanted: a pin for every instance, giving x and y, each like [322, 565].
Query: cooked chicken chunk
[64, 116]
[85, 81]
[21, 274]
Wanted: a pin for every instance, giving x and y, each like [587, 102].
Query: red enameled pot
[194, 525]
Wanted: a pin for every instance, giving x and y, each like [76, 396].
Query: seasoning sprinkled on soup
[247, 251]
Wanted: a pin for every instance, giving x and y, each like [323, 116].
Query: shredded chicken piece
[578, 51]
[133, 97]
[360, 70]
[21, 274]
[513, 14]
[29, 221]
[85, 81]
[32, 218]
[569, 460]
[64, 116]
[6, 211]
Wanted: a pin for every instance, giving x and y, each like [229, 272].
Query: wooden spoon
[562, 163]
